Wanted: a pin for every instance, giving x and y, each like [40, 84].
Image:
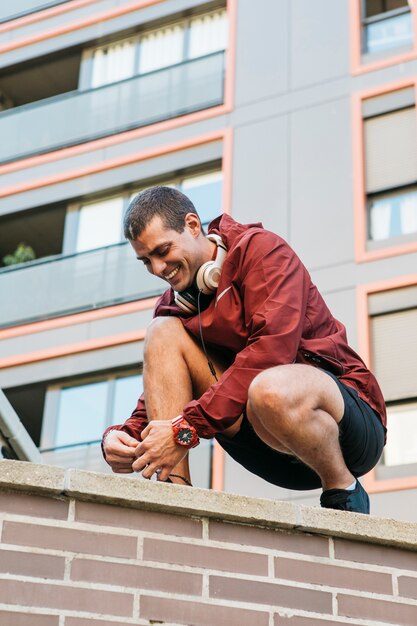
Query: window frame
[393, 246]
[86, 66]
[72, 220]
[385, 480]
[52, 398]
[360, 61]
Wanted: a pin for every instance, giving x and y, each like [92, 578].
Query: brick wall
[84, 549]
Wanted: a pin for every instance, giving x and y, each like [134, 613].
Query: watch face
[185, 435]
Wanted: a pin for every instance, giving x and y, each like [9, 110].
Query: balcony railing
[79, 116]
[62, 285]
[12, 9]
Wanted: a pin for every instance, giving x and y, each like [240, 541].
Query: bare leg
[296, 409]
[175, 372]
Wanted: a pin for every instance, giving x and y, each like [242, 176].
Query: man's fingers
[127, 439]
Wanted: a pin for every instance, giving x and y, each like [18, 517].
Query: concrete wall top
[52, 481]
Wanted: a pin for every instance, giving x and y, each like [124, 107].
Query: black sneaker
[356, 500]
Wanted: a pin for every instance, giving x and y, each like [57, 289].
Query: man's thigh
[361, 440]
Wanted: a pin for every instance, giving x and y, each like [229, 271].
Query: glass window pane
[161, 48]
[208, 33]
[100, 224]
[401, 445]
[113, 63]
[81, 414]
[127, 391]
[390, 33]
[376, 7]
[393, 215]
[205, 192]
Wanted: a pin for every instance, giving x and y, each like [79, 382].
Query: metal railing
[13, 9]
[79, 116]
[67, 284]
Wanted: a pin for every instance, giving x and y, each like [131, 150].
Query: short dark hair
[169, 204]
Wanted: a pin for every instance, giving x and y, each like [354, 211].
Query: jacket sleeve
[134, 425]
[273, 285]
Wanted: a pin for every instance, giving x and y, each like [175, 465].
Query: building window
[100, 224]
[394, 349]
[386, 25]
[390, 141]
[112, 63]
[78, 414]
[156, 49]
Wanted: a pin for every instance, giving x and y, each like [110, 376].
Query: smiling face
[173, 256]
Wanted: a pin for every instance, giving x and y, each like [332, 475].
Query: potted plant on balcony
[22, 254]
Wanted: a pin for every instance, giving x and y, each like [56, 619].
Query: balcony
[12, 9]
[79, 116]
[68, 284]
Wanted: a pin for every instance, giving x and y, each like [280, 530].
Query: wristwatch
[184, 434]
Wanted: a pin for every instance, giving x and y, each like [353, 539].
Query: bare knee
[268, 392]
[163, 332]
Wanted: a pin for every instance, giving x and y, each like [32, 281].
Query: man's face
[174, 257]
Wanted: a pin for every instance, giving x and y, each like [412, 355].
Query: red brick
[378, 610]
[31, 564]
[64, 597]
[407, 586]
[269, 538]
[184, 553]
[136, 576]
[69, 539]
[374, 554]
[33, 506]
[273, 594]
[199, 614]
[12, 618]
[324, 574]
[107, 515]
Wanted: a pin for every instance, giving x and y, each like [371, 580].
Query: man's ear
[193, 223]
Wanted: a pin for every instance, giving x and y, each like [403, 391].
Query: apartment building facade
[298, 114]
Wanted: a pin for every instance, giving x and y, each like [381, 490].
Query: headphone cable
[210, 364]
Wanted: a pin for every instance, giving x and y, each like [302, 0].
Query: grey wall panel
[262, 50]
[321, 184]
[347, 275]
[238, 480]
[342, 304]
[260, 174]
[91, 33]
[395, 504]
[319, 41]
[84, 363]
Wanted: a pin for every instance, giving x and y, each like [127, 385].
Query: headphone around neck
[206, 280]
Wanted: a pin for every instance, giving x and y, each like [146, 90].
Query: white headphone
[207, 278]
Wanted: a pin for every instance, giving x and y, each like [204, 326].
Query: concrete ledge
[178, 500]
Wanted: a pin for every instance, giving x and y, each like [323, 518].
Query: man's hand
[119, 448]
[158, 450]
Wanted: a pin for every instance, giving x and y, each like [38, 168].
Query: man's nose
[158, 267]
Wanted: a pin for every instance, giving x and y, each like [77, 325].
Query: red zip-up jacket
[266, 312]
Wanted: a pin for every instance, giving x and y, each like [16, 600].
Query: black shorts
[362, 438]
